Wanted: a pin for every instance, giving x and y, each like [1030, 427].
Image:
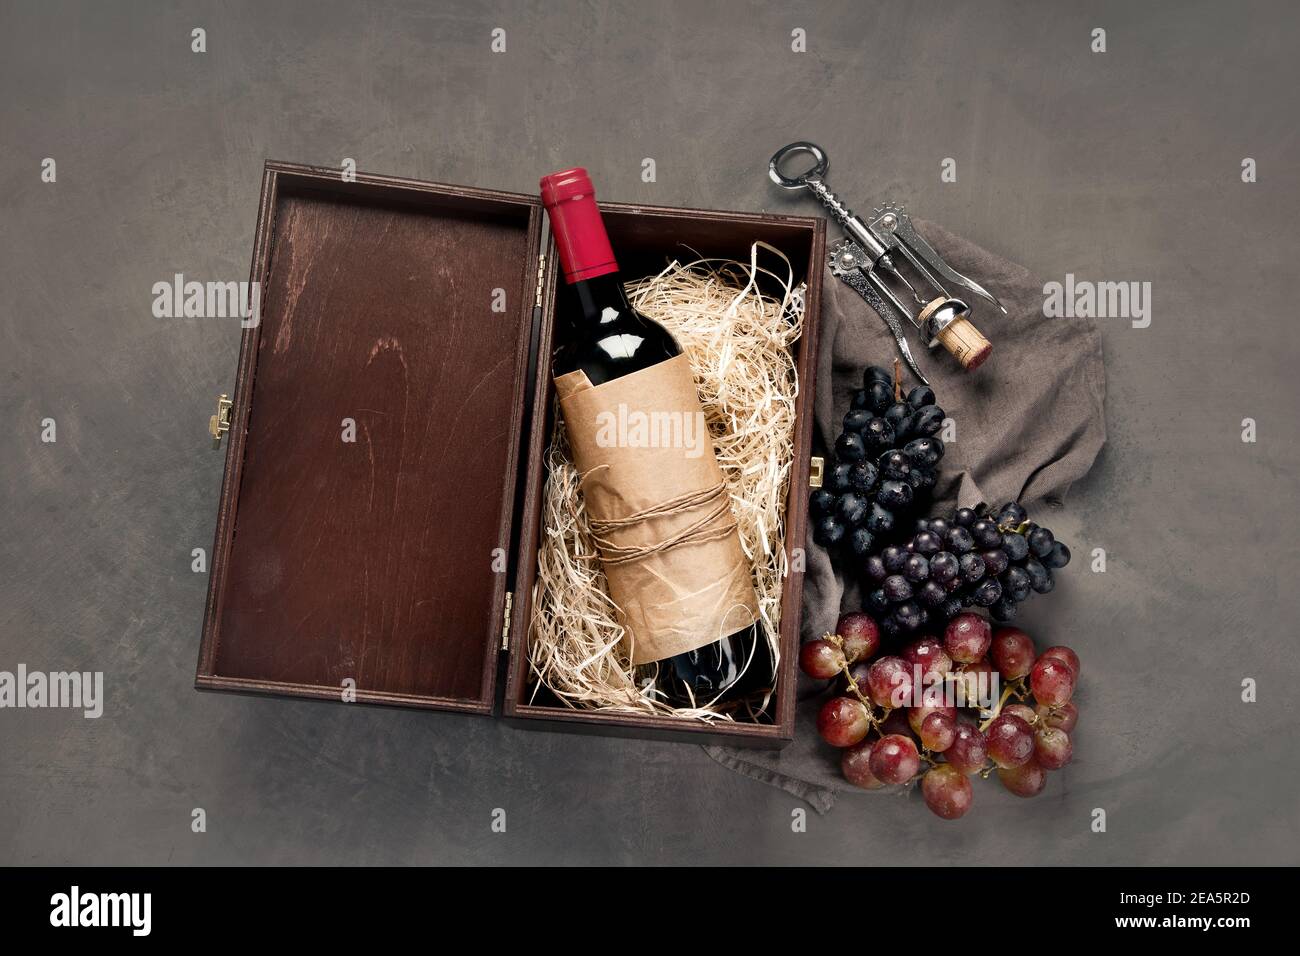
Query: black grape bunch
[981, 558]
[884, 468]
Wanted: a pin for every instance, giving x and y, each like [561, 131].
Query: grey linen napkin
[1029, 422]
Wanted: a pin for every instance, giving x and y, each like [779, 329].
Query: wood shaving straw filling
[738, 340]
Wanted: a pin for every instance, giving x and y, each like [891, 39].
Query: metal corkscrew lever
[866, 261]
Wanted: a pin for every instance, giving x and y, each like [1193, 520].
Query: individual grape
[927, 543]
[1012, 652]
[972, 568]
[1023, 711]
[932, 594]
[1052, 681]
[995, 561]
[929, 655]
[1052, 748]
[921, 395]
[843, 722]
[850, 447]
[1040, 579]
[859, 634]
[822, 503]
[839, 479]
[1027, 780]
[1011, 513]
[968, 751]
[853, 509]
[894, 558]
[938, 731]
[986, 534]
[959, 540]
[879, 520]
[855, 764]
[925, 478]
[951, 607]
[944, 567]
[1015, 545]
[1016, 583]
[821, 659]
[894, 495]
[1004, 609]
[828, 531]
[926, 421]
[947, 791]
[874, 373]
[916, 568]
[860, 542]
[894, 759]
[987, 593]
[916, 715]
[1049, 585]
[1059, 556]
[965, 517]
[924, 452]
[897, 588]
[895, 465]
[878, 433]
[1061, 652]
[967, 638]
[889, 681]
[862, 477]
[1041, 542]
[910, 616]
[1064, 717]
[879, 396]
[858, 399]
[856, 420]
[874, 569]
[896, 414]
[1010, 741]
[939, 526]
[922, 524]
[877, 603]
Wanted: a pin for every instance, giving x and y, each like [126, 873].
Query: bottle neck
[595, 296]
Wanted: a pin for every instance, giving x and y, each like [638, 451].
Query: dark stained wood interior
[373, 559]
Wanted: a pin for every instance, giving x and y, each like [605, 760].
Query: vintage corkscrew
[867, 260]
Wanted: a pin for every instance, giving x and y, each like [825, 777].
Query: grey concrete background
[1116, 166]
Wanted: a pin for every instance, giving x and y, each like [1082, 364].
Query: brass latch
[505, 627]
[817, 471]
[219, 423]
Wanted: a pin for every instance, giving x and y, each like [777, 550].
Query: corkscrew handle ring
[813, 175]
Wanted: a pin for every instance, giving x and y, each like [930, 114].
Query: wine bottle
[606, 339]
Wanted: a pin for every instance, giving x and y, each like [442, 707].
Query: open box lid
[365, 520]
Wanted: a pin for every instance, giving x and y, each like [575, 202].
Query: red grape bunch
[886, 461]
[948, 730]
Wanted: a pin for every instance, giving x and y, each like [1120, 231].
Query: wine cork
[967, 344]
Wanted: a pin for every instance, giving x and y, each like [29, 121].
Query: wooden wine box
[378, 522]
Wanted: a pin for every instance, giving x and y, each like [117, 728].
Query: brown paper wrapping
[650, 446]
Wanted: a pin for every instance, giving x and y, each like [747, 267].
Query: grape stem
[1006, 694]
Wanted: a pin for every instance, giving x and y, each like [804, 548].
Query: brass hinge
[817, 472]
[505, 627]
[219, 423]
[541, 278]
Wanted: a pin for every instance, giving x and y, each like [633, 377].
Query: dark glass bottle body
[607, 338]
